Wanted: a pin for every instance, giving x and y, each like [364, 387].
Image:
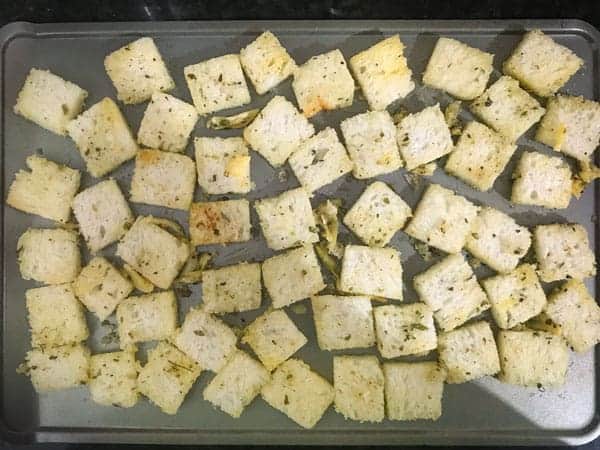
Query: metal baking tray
[481, 412]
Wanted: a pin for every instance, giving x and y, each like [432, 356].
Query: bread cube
[413, 390]
[49, 101]
[451, 290]
[277, 131]
[232, 288]
[532, 358]
[103, 214]
[563, 251]
[113, 379]
[541, 65]
[298, 392]
[217, 84]
[274, 338]
[460, 70]
[137, 71]
[49, 256]
[58, 368]
[102, 137]
[498, 240]
[220, 222]
[323, 83]
[371, 142]
[167, 377]
[442, 219]
[507, 108]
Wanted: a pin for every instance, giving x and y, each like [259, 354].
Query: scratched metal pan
[481, 412]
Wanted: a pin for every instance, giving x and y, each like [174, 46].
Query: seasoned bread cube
[103, 214]
[299, 393]
[137, 71]
[413, 390]
[498, 240]
[217, 84]
[383, 73]
[277, 131]
[541, 65]
[358, 384]
[57, 368]
[371, 142]
[371, 271]
[49, 256]
[113, 379]
[167, 123]
[237, 384]
[404, 330]
[343, 322]
[292, 276]
[507, 108]
[266, 62]
[479, 156]
[102, 137]
[163, 179]
[563, 251]
[442, 219]
[232, 288]
[323, 83]
[49, 101]
[451, 290]
[47, 190]
[55, 316]
[468, 353]
[167, 377]
[423, 137]
[220, 222]
[460, 70]
[532, 358]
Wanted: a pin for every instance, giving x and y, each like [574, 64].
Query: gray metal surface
[484, 411]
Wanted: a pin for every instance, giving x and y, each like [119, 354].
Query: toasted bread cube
[49, 256]
[451, 290]
[113, 379]
[507, 108]
[217, 84]
[343, 322]
[153, 252]
[413, 390]
[103, 214]
[532, 358]
[223, 165]
[479, 156]
[167, 377]
[563, 251]
[571, 125]
[220, 222]
[163, 179]
[498, 240]
[540, 64]
[49, 101]
[167, 123]
[323, 83]
[102, 137]
[371, 271]
[55, 316]
[460, 70]
[277, 131]
[442, 219]
[232, 288]
[299, 393]
[274, 338]
[358, 383]
[292, 276]
[58, 368]
[137, 71]
[237, 384]
[205, 339]
[371, 142]
[266, 62]
[47, 190]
